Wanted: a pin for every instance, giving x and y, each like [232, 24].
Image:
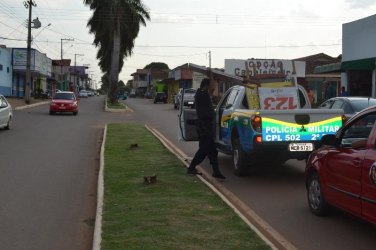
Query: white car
[6, 114]
[83, 93]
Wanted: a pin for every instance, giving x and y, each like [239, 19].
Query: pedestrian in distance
[205, 126]
[311, 96]
[344, 92]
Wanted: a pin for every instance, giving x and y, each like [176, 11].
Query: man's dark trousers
[206, 148]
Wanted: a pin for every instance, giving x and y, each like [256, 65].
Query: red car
[342, 172]
[64, 102]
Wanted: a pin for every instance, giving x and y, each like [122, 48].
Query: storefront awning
[333, 67]
[361, 64]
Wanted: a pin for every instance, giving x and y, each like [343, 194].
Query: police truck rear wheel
[239, 159]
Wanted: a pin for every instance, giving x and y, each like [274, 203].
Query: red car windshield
[64, 96]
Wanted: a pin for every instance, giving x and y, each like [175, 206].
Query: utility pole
[61, 56]
[28, 5]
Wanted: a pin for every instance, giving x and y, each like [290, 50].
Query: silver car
[189, 98]
[6, 113]
[83, 93]
[350, 104]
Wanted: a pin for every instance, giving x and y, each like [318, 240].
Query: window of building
[1, 67]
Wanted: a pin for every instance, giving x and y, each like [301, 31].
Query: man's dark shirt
[205, 113]
[204, 106]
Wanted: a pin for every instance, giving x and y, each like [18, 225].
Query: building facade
[40, 71]
[358, 65]
[5, 71]
[359, 56]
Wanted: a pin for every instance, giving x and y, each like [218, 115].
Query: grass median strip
[117, 105]
[176, 212]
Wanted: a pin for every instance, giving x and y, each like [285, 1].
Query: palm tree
[115, 25]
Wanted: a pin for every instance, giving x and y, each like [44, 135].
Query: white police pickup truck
[259, 123]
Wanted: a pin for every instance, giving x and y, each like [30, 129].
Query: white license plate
[190, 103]
[301, 147]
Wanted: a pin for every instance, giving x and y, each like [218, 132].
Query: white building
[358, 66]
[359, 56]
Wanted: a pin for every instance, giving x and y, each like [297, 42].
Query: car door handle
[356, 162]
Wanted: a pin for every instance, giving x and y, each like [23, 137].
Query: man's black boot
[218, 175]
[193, 172]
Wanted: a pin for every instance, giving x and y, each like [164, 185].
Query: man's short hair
[204, 83]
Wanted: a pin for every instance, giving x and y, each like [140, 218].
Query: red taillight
[256, 123]
[258, 139]
[344, 119]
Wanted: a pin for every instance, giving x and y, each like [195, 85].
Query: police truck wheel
[239, 159]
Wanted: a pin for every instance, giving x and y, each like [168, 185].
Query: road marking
[265, 231]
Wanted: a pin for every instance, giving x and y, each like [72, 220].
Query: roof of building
[316, 60]
[140, 72]
[64, 62]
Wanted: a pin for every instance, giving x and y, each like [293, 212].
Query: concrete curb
[31, 105]
[265, 231]
[97, 238]
[107, 109]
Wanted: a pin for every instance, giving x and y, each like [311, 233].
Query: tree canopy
[156, 65]
[115, 25]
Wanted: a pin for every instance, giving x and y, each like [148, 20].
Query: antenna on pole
[209, 59]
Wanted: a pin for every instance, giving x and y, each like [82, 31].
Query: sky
[188, 31]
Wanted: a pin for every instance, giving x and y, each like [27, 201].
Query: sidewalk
[19, 103]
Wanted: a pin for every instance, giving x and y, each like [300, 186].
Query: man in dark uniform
[205, 126]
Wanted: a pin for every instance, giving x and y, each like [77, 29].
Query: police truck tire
[239, 159]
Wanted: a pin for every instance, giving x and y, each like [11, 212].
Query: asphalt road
[48, 177]
[276, 193]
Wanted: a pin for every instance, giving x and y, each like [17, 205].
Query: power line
[192, 18]
[200, 54]
[206, 47]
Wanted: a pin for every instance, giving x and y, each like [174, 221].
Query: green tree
[105, 83]
[115, 25]
[156, 65]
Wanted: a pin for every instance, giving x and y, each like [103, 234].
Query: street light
[65, 52]
[41, 30]
[61, 55]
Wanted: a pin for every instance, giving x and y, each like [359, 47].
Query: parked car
[350, 105]
[189, 98]
[6, 114]
[83, 93]
[133, 93]
[63, 102]
[160, 97]
[342, 172]
[122, 96]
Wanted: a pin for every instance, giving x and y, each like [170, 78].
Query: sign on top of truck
[270, 67]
